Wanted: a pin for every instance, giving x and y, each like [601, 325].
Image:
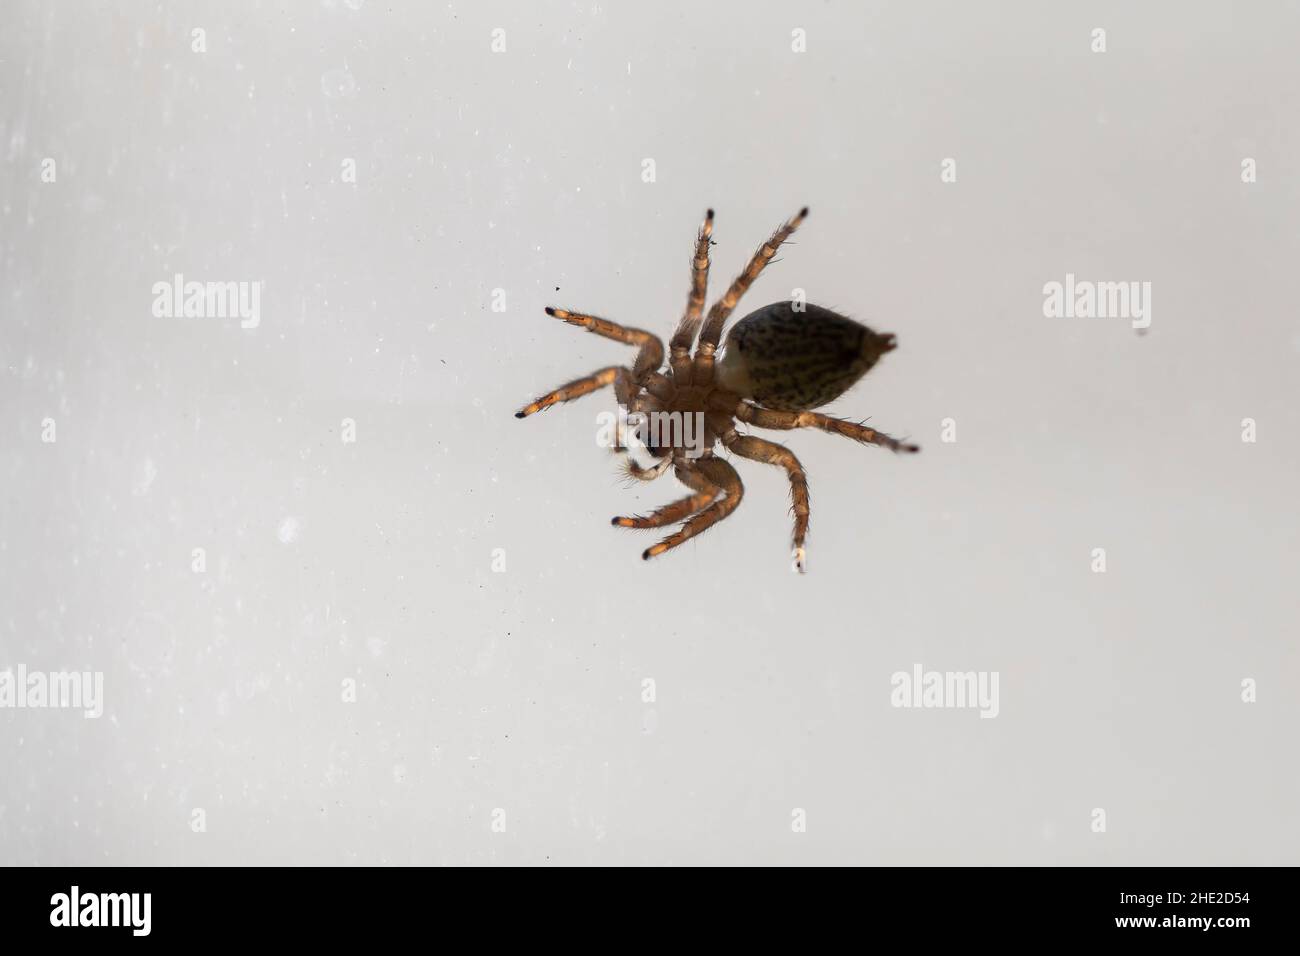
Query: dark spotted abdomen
[794, 360]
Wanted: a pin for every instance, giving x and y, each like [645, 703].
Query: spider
[779, 363]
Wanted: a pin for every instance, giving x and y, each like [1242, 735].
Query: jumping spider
[779, 363]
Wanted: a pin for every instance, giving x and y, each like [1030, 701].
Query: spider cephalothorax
[779, 363]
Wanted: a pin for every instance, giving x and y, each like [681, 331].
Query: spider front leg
[716, 472]
[770, 418]
[648, 359]
[760, 449]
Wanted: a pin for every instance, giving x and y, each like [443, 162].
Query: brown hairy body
[780, 363]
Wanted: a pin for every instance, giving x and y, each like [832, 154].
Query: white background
[522, 690]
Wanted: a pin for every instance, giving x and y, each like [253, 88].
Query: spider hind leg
[769, 452]
[719, 473]
[705, 493]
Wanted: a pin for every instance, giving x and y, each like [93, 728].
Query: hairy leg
[760, 449]
[719, 473]
[770, 418]
[575, 389]
[684, 337]
[680, 509]
[648, 359]
[712, 332]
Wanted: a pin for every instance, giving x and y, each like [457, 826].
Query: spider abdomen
[797, 356]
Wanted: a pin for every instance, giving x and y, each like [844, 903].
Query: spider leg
[648, 359]
[770, 418]
[760, 449]
[682, 508]
[689, 326]
[575, 389]
[721, 309]
[719, 473]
